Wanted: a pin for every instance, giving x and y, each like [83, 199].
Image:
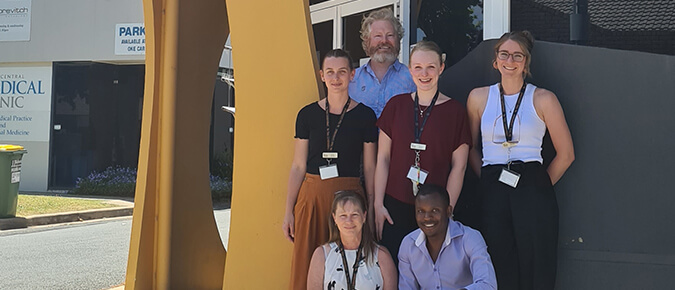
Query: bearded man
[383, 76]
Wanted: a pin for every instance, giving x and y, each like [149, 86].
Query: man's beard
[384, 57]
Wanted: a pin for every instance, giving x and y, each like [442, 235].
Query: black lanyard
[331, 141]
[418, 128]
[508, 131]
[351, 283]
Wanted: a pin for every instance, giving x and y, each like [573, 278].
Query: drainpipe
[579, 21]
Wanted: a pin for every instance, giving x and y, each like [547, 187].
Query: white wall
[34, 166]
[74, 30]
[31, 115]
[496, 18]
[65, 30]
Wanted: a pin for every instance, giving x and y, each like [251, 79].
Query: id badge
[509, 177]
[329, 155]
[418, 146]
[328, 171]
[417, 174]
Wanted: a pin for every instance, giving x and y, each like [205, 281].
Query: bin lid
[8, 147]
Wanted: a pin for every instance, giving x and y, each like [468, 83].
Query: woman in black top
[331, 135]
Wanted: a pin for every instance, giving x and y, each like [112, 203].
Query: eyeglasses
[517, 57]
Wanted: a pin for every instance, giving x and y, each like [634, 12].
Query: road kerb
[65, 217]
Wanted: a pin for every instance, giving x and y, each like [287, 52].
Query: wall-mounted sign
[130, 39]
[25, 103]
[15, 20]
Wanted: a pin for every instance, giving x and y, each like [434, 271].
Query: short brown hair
[525, 40]
[338, 53]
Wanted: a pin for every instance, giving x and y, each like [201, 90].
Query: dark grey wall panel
[616, 200]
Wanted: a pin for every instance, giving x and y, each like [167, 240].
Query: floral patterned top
[368, 276]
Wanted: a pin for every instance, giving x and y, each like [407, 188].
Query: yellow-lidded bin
[10, 176]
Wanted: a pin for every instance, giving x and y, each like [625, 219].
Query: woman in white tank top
[519, 209]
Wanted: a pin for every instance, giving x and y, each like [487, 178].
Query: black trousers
[403, 215]
[520, 227]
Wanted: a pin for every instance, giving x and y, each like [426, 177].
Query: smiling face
[383, 43]
[349, 218]
[336, 73]
[425, 68]
[506, 59]
[432, 215]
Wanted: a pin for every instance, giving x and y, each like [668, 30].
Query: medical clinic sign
[25, 103]
[130, 39]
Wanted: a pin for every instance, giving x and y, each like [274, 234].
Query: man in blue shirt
[383, 76]
[442, 253]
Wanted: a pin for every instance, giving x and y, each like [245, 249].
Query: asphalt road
[85, 255]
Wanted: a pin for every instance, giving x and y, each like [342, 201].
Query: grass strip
[38, 204]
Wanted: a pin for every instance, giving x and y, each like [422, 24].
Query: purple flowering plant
[121, 181]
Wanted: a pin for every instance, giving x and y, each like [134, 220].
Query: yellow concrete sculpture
[275, 75]
[174, 242]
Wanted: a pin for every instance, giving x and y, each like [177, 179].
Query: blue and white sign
[25, 103]
[130, 39]
[15, 20]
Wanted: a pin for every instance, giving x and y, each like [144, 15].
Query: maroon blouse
[446, 129]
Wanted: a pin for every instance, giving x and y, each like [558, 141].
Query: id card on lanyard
[508, 176]
[331, 170]
[416, 174]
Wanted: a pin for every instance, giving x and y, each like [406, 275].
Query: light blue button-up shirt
[367, 89]
[462, 263]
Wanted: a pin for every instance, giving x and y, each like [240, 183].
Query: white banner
[15, 20]
[25, 104]
[130, 39]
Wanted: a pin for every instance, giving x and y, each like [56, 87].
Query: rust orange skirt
[312, 214]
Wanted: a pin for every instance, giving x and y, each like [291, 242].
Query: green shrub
[121, 181]
[113, 181]
[221, 165]
[221, 188]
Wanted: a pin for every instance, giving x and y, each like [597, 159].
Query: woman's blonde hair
[427, 45]
[367, 240]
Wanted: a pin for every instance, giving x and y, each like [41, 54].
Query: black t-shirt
[358, 127]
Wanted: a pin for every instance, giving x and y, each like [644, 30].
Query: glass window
[456, 26]
[323, 38]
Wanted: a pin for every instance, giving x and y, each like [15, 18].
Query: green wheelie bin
[10, 175]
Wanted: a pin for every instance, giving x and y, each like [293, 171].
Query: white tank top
[528, 128]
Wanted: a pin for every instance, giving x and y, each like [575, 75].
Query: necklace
[419, 107]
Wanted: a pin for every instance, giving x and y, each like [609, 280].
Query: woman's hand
[381, 213]
[289, 226]
[295, 178]
[381, 176]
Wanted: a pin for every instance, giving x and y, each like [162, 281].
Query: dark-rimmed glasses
[517, 56]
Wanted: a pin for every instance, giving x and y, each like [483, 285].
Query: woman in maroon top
[424, 138]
